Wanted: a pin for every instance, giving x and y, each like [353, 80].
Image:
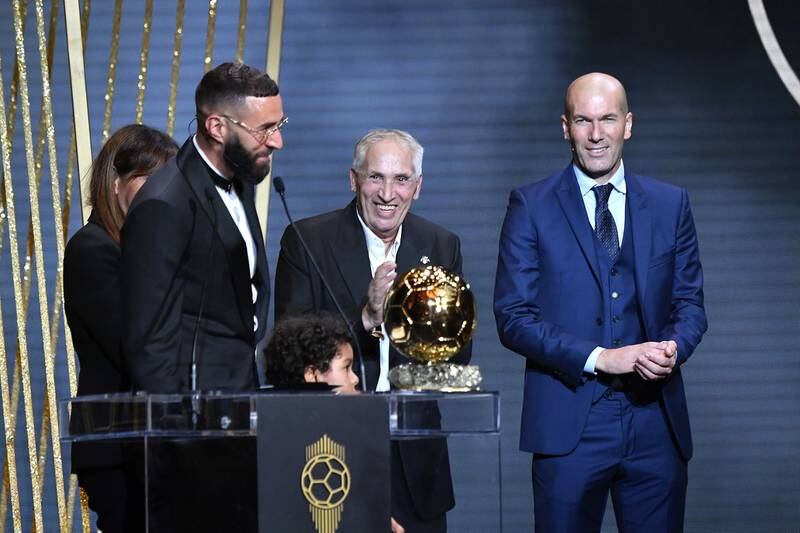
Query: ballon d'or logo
[325, 483]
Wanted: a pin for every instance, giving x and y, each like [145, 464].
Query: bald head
[595, 83]
[596, 123]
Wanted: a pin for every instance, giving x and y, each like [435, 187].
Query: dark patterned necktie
[604, 226]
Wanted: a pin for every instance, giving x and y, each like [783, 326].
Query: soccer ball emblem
[429, 314]
[325, 481]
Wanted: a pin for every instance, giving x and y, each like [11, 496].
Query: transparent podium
[292, 461]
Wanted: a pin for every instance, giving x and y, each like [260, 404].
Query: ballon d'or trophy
[429, 315]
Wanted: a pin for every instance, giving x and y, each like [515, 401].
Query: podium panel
[256, 462]
[323, 463]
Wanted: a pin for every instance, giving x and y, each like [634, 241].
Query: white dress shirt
[236, 209]
[616, 205]
[377, 256]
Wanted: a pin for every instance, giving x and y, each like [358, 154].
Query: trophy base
[444, 377]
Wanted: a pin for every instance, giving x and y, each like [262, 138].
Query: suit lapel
[351, 255]
[572, 204]
[411, 249]
[640, 228]
[196, 173]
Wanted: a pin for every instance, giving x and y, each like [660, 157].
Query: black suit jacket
[179, 233]
[337, 241]
[92, 306]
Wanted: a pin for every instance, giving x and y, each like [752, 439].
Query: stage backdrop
[481, 86]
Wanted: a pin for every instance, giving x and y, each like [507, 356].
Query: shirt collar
[585, 183]
[205, 158]
[375, 243]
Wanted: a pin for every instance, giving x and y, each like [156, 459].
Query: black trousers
[403, 508]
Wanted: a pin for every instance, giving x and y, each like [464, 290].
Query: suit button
[615, 295]
[613, 271]
[599, 321]
[615, 318]
[617, 342]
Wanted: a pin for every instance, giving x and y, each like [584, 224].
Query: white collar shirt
[377, 256]
[616, 205]
[236, 209]
[616, 201]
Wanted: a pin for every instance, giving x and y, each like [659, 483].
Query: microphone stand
[280, 188]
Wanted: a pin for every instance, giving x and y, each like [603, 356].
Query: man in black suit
[192, 242]
[195, 281]
[361, 249]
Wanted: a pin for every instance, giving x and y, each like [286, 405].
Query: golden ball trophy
[429, 314]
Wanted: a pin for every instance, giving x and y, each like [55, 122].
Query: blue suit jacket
[548, 299]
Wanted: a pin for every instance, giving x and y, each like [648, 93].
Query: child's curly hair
[301, 341]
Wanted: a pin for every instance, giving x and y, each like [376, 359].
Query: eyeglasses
[262, 135]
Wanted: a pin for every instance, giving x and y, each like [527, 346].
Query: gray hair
[398, 136]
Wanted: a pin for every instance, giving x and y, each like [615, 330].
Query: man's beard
[244, 163]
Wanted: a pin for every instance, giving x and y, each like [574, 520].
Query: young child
[312, 348]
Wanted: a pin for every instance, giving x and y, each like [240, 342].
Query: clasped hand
[650, 360]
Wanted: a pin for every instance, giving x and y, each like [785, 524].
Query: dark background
[481, 86]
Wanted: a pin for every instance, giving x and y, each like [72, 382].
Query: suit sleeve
[294, 293]
[516, 300]
[687, 321]
[299, 289]
[154, 239]
[92, 292]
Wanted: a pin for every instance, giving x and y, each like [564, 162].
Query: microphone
[211, 195]
[280, 188]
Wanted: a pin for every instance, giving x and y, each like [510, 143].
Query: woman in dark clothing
[92, 304]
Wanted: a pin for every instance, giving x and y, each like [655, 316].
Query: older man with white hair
[361, 249]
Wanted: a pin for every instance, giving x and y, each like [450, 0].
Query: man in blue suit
[599, 286]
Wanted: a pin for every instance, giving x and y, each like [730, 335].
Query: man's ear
[353, 180]
[419, 187]
[215, 127]
[628, 125]
[565, 126]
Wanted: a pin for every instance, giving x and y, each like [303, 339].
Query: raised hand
[372, 314]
